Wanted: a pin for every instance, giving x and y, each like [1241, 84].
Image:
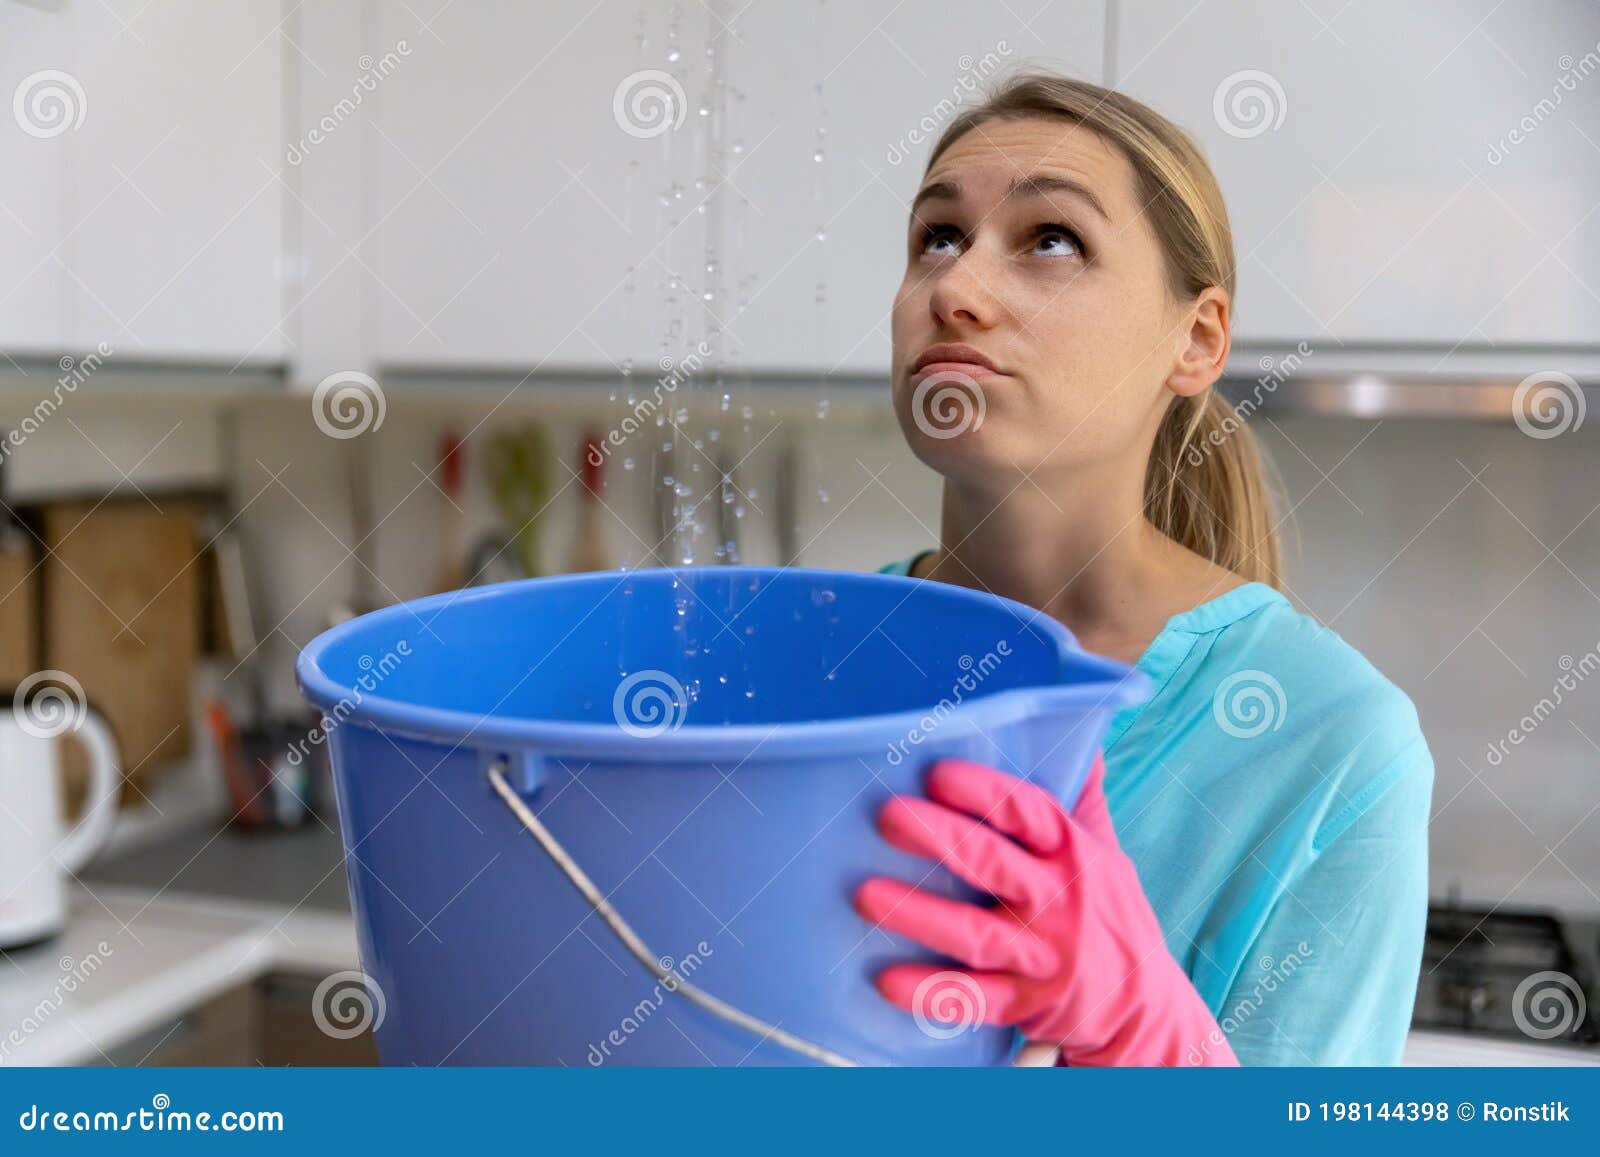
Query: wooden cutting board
[122, 615]
[19, 613]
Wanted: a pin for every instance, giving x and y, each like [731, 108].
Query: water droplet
[817, 156]
[672, 55]
[727, 400]
[627, 463]
[822, 408]
[822, 234]
[822, 494]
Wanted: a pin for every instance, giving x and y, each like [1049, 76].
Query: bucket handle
[630, 939]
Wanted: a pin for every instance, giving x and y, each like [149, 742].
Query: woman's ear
[1205, 344]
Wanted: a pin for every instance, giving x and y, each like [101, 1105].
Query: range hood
[1544, 386]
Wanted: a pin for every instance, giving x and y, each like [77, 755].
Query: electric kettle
[36, 850]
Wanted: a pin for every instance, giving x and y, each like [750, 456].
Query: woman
[1244, 880]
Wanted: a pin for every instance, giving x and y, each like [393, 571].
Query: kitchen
[310, 310]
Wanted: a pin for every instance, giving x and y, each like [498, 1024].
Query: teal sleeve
[1332, 977]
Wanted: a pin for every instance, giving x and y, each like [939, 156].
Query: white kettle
[36, 852]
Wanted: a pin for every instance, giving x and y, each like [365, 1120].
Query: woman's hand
[1073, 956]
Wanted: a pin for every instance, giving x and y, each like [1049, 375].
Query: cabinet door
[882, 79]
[511, 197]
[36, 68]
[1395, 170]
[177, 203]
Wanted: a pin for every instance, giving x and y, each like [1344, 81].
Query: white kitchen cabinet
[1376, 183]
[34, 44]
[888, 74]
[510, 200]
[177, 211]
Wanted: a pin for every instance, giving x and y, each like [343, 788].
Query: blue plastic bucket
[711, 746]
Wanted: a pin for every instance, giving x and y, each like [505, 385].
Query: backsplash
[1459, 557]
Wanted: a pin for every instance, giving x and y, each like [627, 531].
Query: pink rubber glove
[1073, 956]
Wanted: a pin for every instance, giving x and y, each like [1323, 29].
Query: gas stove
[1505, 973]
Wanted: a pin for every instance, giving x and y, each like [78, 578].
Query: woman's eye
[1055, 241]
[940, 240]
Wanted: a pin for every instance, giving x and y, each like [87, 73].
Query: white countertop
[131, 959]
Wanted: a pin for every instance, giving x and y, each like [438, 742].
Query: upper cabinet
[38, 117]
[176, 186]
[1395, 170]
[839, 105]
[547, 215]
[524, 214]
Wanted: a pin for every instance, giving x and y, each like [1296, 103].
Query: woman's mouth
[953, 358]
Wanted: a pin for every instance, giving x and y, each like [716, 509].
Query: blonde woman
[1244, 879]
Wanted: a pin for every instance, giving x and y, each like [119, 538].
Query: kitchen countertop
[157, 931]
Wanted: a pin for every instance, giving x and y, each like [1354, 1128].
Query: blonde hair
[1205, 485]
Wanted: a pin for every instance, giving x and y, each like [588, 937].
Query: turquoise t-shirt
[1274, 795]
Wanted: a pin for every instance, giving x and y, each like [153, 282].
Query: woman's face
[1027, 244]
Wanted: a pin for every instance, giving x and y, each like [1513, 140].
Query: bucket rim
[1099, 682]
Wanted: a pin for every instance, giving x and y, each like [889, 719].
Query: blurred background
[307, 308]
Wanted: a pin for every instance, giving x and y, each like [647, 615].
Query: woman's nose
[963, 293]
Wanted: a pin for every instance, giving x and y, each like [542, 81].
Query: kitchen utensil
[494, 560]
[363, 595]
[754, 798]
[517, 465]
[786, 504]
[35, 852]
[589, 550]
[449, 572]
